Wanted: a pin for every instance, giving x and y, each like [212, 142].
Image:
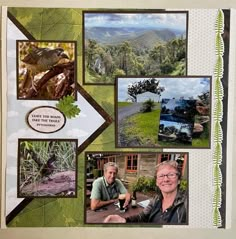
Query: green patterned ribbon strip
[218, 114]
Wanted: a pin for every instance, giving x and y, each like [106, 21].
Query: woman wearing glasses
[167, 207]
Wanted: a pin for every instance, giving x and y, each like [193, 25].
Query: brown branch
[56, 70]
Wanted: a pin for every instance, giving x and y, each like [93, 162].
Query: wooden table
[94, 217]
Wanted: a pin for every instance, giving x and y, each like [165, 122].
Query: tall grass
[65, 152]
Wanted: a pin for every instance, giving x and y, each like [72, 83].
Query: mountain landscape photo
[116, 45]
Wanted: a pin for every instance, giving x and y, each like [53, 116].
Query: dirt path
[125, 112]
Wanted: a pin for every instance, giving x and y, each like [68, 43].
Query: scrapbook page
[110, 110]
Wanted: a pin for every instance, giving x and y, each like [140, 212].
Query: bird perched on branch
[42, 59]
[45, 169]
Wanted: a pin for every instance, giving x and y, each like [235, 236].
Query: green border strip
[218, 115]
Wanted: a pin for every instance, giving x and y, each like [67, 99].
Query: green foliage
[218, 71]
[183, 185]
[118, 72]
[218, 113]
[219, 90]
[217, 157]
[147, 106]
[219, 25]
[130, 58]
[218, 118]
[144, 184]
[200, 142]
[66, 106]
[217, 196]
[216, 216]
[180, 69]
[167, 67]
[45, 23]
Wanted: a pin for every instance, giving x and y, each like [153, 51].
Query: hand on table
[114, 219]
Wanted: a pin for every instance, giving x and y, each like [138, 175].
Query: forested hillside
[147, 52]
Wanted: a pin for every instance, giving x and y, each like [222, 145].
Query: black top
[175, 214]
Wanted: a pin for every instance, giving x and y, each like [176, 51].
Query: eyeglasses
[169, 175]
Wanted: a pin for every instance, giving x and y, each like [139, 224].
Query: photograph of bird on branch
[133, 43]
[47, 168]
[163, 111]
[45, 70]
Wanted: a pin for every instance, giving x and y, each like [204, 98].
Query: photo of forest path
[121, 44]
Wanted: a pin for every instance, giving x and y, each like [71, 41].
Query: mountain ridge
[138, 37]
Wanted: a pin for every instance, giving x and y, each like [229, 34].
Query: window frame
[132, 168]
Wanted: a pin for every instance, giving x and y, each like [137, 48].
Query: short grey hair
[110, 164]
[171, 163]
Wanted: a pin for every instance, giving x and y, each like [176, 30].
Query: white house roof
[146, 96]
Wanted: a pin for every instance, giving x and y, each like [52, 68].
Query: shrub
[166, 68]
[144, 184]
[147, 106]
[183, 184]
[118, 72]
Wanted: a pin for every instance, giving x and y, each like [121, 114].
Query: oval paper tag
[46, 119]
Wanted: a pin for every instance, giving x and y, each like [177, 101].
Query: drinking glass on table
[122, 201]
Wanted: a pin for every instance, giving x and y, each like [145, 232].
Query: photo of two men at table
[137, 188]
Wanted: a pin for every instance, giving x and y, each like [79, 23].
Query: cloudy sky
[174, 87]
[140, 20]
